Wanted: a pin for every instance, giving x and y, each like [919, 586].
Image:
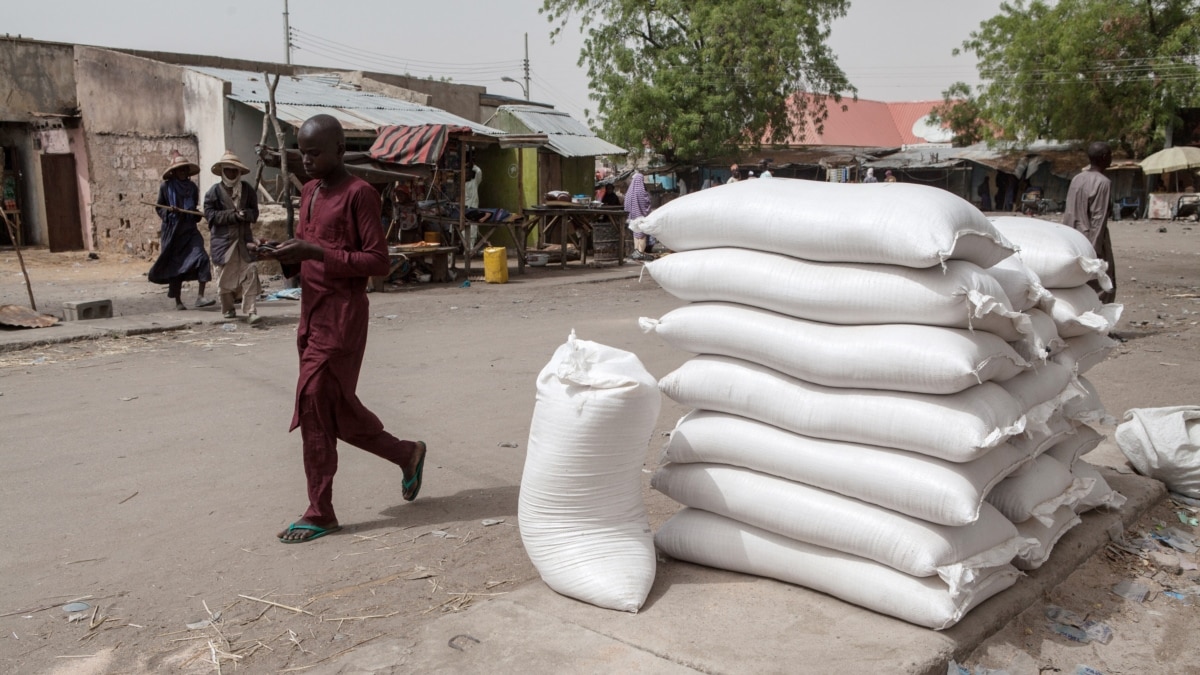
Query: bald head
[322, 145]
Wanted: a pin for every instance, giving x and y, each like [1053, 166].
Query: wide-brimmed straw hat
[178, 161]
[230, 159]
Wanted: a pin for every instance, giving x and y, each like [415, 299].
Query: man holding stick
[339, 243]
[181, 254]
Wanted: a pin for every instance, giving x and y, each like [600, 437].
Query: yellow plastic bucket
[495, 265]
[433, 237]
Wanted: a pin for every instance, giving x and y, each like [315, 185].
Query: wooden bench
[437, 257]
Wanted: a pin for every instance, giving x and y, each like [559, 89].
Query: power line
[366, 54]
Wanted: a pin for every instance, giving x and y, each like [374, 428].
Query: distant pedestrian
[889, 177]
[985, 195]
[471, 196]
[181, 254]
[870, 177]
[339, 244]
[1089, 199]
[734, 174]
[637, 205]
[231, 208]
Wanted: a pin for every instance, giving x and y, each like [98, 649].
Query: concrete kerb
[704, 620]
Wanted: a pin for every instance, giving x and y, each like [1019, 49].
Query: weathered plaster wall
[125, 170]
[206, 114]
[123, 94]
[39, 77]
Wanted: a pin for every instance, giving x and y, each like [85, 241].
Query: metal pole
[287, 36]
[527, 66]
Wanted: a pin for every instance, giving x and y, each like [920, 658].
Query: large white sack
[894, 224]
[830, 520]
[1101, 494]
[1086, 351]
[898, 357]
[1022, 286]
[1041, 341]
[1061, 256]
[715, 541]
[1035, 441]
[1078, 311]
[1042, 537]
[1087, 408]
[960, 295]
[1069, 449]
[582, 518]
[1164, 443]
[1038, 492]
[956, 427]
[918, 485]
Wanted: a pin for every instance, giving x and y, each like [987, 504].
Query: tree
[1115, 70]
[960, 112]
[694, 78]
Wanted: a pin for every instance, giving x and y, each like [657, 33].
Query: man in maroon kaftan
[339, 243]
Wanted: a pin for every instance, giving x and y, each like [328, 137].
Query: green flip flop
[412, 486]
[317, 531]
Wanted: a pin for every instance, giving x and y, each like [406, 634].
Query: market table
[438, 257]
[571, 218]
[515, 226]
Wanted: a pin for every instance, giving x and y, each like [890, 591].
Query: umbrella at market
[1172, 159]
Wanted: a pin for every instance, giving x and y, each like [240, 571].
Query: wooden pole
[283, 160]
[262, 143]
[12, 234]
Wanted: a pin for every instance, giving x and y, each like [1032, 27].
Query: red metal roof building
[871, 124]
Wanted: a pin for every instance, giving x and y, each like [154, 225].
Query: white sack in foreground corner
[581, 514]
[1164, 444]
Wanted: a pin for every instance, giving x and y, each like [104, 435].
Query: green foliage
[960, 111]
[692, 78]
[1115, 70]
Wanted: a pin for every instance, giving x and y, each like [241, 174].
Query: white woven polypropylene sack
[1078, 311]
[1038, 492]
[1020, 284]
[1101, 495]
[708, 539]
[1070, 448]
[893, 224]
[1042, 341]
[830, 520]
[956, 427]
[1061, 256]
[1042, 537]
[917, 485]
[582, 518]
[1087, 408]
[959, 296]
[898, 357]
[1164, 444]
[1086, 351]
[1034, 442]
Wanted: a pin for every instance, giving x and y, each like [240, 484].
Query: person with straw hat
[231, 207]
[181, 254]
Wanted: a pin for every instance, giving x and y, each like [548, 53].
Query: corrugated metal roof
[566, 135]
[299, 98]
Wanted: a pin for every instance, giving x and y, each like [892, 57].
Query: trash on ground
[1175, 595]
[1176, 539]
[1070, 632]
[1131, 590]
[491, 521]
[73, 607]
[444, 534]
[1188, 520]
[507, 444]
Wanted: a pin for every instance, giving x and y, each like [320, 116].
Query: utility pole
[527, 66]
[287, 36]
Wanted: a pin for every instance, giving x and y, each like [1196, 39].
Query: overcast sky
[892, 50]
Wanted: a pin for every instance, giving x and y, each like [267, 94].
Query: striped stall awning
[407, 146]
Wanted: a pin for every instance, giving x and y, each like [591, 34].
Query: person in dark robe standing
[339, 243]
[231, 207]
[1089, 198]
[181, 254]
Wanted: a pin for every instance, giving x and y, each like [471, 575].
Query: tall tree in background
[691, 78]
[1115, 70]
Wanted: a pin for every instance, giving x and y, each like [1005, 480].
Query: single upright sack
[1164, 443]
[1060, 256]
[898, 357]
[582, 518]
[960, 295]
[891, 224]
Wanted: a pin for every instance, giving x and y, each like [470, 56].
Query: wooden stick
[262, 143]
[12, 234]
[283, 159]
[276, 604]
[172, 208]
[334, 655]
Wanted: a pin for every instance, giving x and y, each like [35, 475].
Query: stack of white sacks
[877, 417]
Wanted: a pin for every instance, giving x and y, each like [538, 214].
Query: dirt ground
[147, 475]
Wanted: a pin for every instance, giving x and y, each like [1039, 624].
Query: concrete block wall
[126, 169]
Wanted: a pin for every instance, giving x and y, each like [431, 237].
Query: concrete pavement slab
[713, 621]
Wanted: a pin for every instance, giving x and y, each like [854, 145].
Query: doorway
[59, 185]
